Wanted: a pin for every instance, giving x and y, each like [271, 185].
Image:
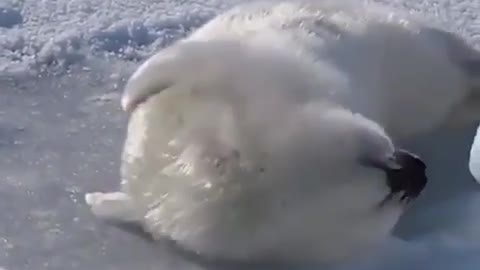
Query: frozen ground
[62, 67]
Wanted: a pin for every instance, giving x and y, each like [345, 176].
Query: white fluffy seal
[244, 157]
[244, 138]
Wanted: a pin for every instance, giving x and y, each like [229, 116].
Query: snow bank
[52, 35]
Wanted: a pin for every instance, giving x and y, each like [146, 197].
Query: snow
[63, 64]
[62, 33]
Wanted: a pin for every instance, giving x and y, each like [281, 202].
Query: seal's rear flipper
[117, 209]
[116, 206]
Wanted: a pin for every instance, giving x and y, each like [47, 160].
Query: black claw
[409, 180]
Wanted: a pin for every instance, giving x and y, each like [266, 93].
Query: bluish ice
[63, 64]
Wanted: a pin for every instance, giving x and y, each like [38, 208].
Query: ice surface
[62, 66]
[9, 17]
